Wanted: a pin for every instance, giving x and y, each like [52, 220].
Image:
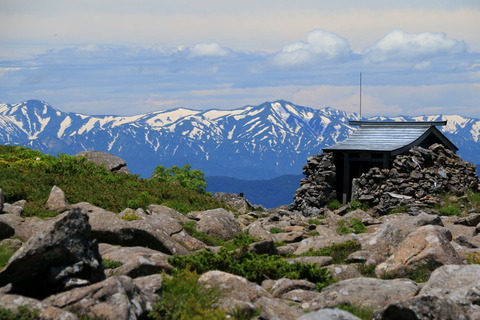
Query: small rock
[56, 200]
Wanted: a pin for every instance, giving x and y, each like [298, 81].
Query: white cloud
[211, 49]
[320, 45]
[412, 47]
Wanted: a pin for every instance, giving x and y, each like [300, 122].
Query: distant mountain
[269, 193]
[253, 142]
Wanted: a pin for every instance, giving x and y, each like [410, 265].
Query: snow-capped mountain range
[253, 142]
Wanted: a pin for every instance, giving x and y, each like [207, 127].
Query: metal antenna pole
[360, 96]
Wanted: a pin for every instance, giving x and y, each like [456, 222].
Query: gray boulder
[56, 200]
[422, 307]
[114, 298]
[58, 257]
[12, 209]
[427, 247]
[111, 162]
[236, 201]
[329, 314]
[368, 292]
[136, 261]
[277, 309]
[459, 283]
[236, 291]
[158, 232]
[46, 312]
[218, 223]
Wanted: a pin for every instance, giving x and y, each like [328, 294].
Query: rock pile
[416, 178]
[318, 187]
[57, 270]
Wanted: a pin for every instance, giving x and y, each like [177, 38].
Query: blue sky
[128, 57]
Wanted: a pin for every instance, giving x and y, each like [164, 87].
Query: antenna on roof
[360, 95]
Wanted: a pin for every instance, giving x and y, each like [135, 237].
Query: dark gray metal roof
[389, 136]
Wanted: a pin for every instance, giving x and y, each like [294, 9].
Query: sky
[128, 57]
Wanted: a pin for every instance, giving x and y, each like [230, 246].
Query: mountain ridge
[250, 142]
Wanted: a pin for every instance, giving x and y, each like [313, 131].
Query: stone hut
[376, 144]
[385, 164]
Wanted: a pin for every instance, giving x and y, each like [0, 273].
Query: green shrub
[183, 298]
[313, 233]
[23, 177]
[354, 205]
[23, 313]
[354, 225]
[473, 258]
[111, 264]
[186, 177]
[130, 216]
[254, 267]
[334, 205]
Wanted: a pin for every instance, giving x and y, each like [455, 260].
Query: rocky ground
[409, 265]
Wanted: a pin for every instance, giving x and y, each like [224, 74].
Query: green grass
[23, 313]
[339, 252]
[457, 206]
[274, 230]
[354, 225]
[23, 177]
[364, 313]
[6, 252]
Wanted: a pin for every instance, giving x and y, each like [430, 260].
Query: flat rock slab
[368, 292]
[114, 298]
[46, 312]
[136, 261]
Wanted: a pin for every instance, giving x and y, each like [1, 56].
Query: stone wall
[415, 177]
[318, 188]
